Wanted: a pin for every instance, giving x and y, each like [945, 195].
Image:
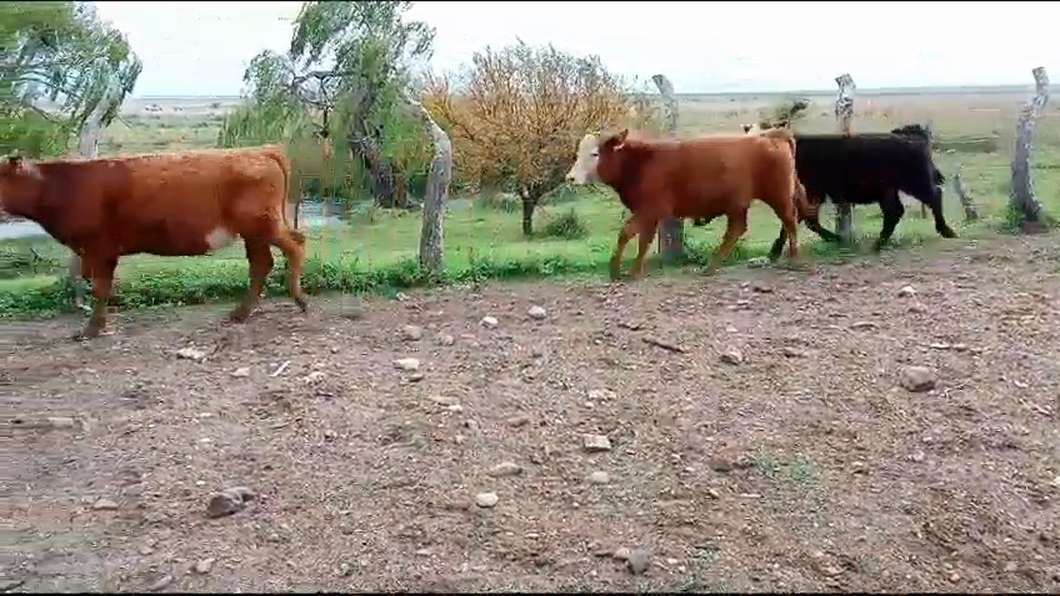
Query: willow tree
[344, 77]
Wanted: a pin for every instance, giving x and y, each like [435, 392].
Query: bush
[568, 226]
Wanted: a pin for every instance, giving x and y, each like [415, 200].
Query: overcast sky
[202, 48]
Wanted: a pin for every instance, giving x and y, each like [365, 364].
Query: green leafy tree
[345, 76]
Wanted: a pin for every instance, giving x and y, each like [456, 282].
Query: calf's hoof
[239, 314]
[302, 303]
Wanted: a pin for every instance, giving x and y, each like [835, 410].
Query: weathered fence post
[671, 231]
[88, 148]
[970, 212]
[844, 113]
[432, 233]
[1021, 196]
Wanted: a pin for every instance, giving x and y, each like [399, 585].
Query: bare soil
[807, 466]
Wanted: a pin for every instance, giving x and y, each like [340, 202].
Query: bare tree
[671, 231]
[1022, 199]
[432, 234]
[844, 114]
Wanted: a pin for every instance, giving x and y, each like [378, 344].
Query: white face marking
[584, 168]
[31, 170]
[219, 237]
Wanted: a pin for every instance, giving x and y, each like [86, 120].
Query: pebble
[60, 422]
[907, 291]
[229, 501]
[602, 395]
[638, 561]
[191, 354]
[508, 468]
[917, 379]
[599, 477]
[621, 554]
[411, 333]
[486, 500]
[241, 372]
[159, 583]
[517, 421]
[790, 352]
[407, 364]
[205, 565]
[596, 443]
[537, 313]
[489, 322]
[732, 356]
[445, 339]
[105, 504]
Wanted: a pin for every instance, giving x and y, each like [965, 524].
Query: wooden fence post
[844, 113]
[432, 233]
[970, 212]
[671, 231]
[1021, 196]
[88, 148]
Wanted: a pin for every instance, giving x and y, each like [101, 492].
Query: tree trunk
[387, 191]
[432, 243]
[671, 231]
[844, 114]
[970, 212]
[88, 148]
[1022, 199]
[529, 203]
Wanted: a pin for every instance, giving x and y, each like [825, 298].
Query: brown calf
[178, 204]
[699, 178]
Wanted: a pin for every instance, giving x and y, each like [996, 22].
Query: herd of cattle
[720, 174]
[195, 202]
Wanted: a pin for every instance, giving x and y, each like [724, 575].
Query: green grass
[376, 250]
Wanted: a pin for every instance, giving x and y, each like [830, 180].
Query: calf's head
[595, 161]
[21, 184]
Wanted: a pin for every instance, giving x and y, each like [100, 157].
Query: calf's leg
[892, 214]
[935, 205]
[101, 269]
[629, 229]
[259, 255]
[645, 236]
[735, 226]
[292, 243]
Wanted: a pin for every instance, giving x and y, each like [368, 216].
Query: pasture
[873, 423]
[375, 249]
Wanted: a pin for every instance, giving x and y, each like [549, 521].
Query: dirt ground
[807, 466]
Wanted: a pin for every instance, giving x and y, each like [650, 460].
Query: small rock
[790, 352]
[917, 379]
[917, 308]
[917, 457]
[757, 262]
[489, 322]
[761, 289]
[621, 554]
[906, 292]
[508, 468]
[158, 583]
[486, 500]
[830, 571]
[638, 561]
[596, 443]
[411, 333]
[537, 313]
[105, 505]
[955, 577]
[205, 565]
[229, 501]
[517, 421]
[713, 493]
[191, 354]
[445, 339]
[602, 395]
[443, 400]
[732, 356]
[416, 377]
[61, 422]
[314, 377]
[241, 372]
[599, 477]
[1011, 566]
[407, 364]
